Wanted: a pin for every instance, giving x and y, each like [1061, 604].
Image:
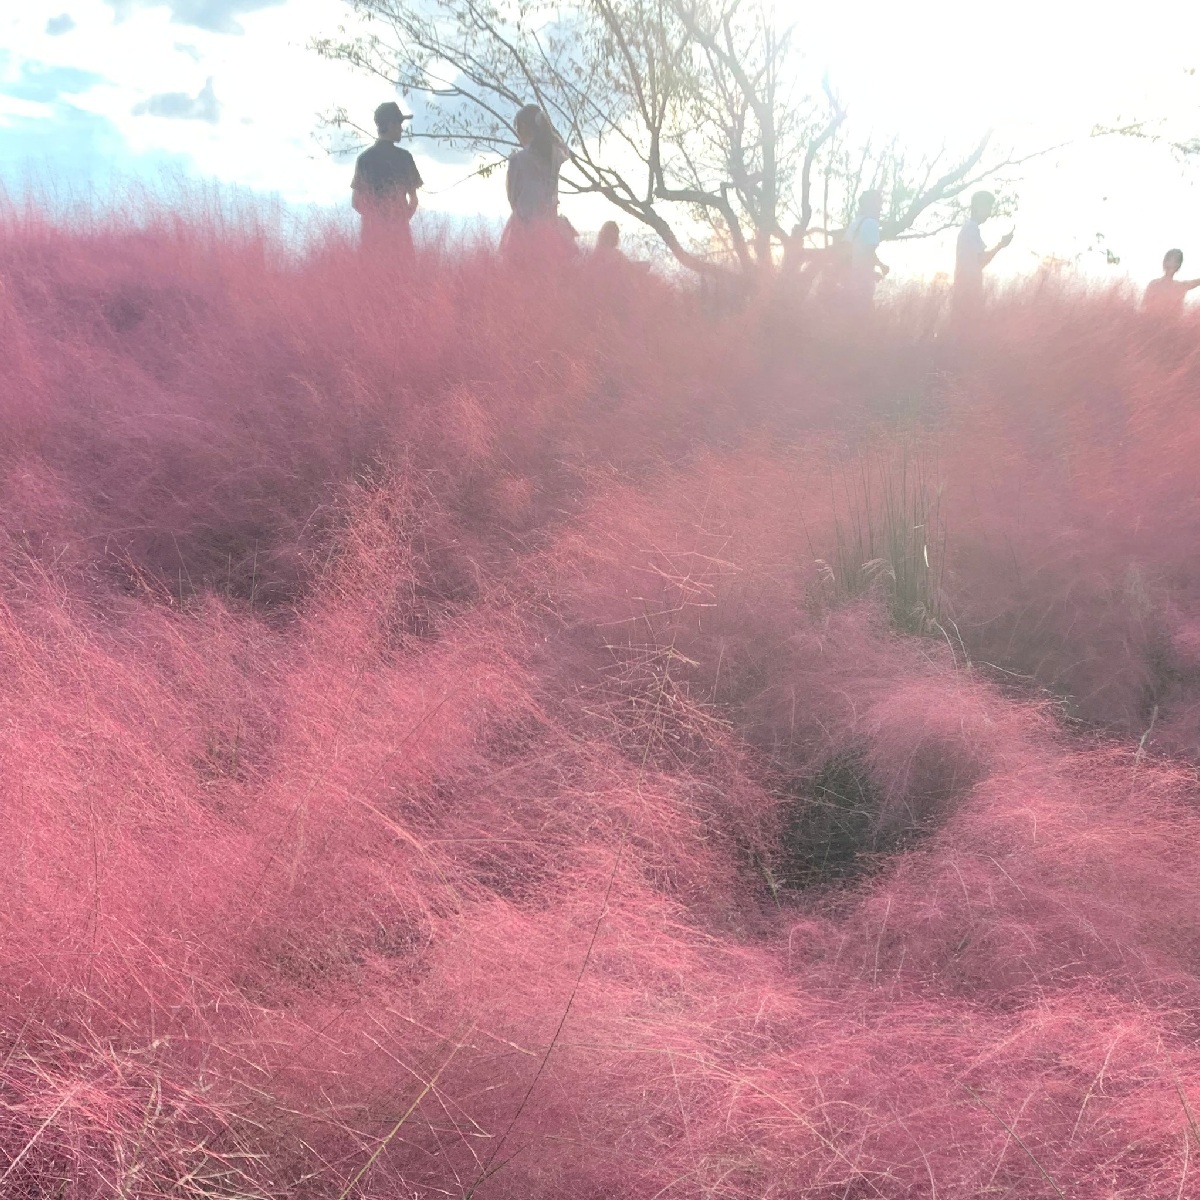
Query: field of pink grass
[522, 737]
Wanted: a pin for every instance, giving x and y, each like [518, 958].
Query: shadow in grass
[832, 833]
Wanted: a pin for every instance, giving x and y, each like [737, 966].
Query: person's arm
[1188, 284]
[510, 183]
[990, 254]
[410, 193]
[358, 191]
[872, 235]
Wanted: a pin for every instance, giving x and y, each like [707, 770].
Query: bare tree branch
[694, 117]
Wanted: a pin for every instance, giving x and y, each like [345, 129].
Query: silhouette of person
[608, 255]
[795, 253]
[384, 188]
[971, 256]
[1165, 296]
[608, 240]
[532, 185]
[862, 269]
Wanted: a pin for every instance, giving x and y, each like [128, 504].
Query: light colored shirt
[532, 184]
[968, 257]
[864, 237]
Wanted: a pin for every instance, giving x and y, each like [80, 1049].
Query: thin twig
[412, 1108]
[1017, 1138]
[484, 1173]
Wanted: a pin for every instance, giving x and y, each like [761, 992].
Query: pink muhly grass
[434, 761]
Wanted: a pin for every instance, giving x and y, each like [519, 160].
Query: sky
[96, 92]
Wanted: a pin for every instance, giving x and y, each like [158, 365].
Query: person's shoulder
[364, 166]
[389, 152]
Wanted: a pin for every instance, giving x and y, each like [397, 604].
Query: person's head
[609, 237]
[534, 131]
[530, 122]
[1172, 261]
[982, 205]
[389, 121]
[870, 203]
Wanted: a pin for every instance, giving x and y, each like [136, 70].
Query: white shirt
[969, 255]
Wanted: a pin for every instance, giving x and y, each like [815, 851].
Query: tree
[684, 114]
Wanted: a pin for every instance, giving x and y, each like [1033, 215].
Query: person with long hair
[532, 184]
[608, 241]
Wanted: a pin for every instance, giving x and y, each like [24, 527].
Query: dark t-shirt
[384, 171]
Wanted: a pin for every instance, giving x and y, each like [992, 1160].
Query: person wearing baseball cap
[384, 188]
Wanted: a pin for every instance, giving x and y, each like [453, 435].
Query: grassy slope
[388, 673]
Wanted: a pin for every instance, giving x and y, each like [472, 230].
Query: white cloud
[218, 16]
[178, 106]
[29, 110]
